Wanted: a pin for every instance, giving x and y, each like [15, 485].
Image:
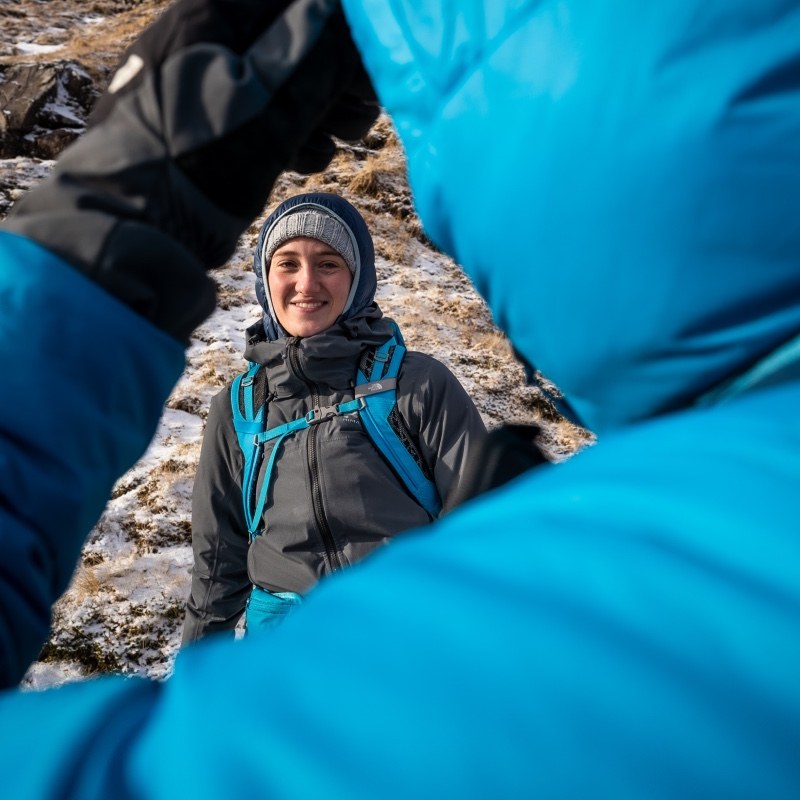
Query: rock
[17, 175]
[44, 107]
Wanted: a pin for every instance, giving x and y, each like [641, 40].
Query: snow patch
[29, 48]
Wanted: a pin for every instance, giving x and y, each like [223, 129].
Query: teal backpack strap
[247, 424]
[377, 395]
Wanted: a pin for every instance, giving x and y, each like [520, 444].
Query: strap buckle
[320, 414]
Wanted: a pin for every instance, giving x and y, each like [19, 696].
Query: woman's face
[308, 283]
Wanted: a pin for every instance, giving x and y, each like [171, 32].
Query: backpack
[374, 401]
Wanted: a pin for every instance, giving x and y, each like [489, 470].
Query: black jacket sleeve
[441, 415]
[220, 585]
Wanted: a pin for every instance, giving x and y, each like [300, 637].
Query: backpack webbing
[374, 401]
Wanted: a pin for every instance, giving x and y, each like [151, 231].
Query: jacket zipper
[334, 562]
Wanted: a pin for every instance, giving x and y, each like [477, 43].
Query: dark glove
[234, 24]
[186, 145]
[237, 24]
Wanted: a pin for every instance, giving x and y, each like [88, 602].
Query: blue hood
[629, 209]
[364, 281]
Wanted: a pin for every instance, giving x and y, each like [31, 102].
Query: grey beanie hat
[315, 223]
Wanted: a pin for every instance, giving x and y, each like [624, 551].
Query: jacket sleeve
[444, 421]
[220, 585]
[84, 380]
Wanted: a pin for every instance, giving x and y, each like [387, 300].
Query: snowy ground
[124, 609]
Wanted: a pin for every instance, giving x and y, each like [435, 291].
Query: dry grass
[368, 179]
[86, 584]
[395, 244]
[495, 342]
[228, 297]
[96, 47]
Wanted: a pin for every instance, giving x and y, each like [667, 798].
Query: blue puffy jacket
[77, 408]
[621, 182]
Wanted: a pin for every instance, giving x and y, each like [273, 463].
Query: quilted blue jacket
[621, 182]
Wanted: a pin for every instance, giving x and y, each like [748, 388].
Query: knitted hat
[316, 223]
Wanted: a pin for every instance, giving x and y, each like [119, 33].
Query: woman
[325, 495]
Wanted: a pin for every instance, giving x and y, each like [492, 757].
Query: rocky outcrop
[44, 107]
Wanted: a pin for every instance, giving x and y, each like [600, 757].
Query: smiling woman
[320, 488]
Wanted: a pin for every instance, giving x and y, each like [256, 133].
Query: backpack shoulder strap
[377, 393]
[248, 422]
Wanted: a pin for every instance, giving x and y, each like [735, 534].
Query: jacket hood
[630, 210]
[362, 292]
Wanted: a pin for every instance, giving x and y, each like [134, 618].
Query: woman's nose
[306, 279]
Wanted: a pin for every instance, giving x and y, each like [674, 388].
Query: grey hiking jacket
[332, 498]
